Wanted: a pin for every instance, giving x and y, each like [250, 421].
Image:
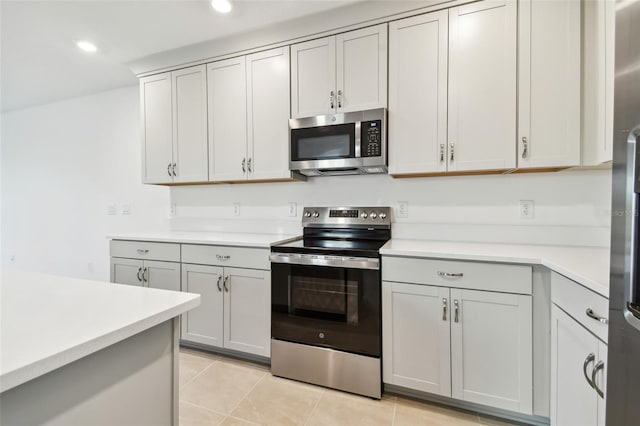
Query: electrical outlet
[111, 210]
[236, 209]
[526, 209]
[293, 209]
[12, 258]
[126, 209]
[403, 209]
[172, 209]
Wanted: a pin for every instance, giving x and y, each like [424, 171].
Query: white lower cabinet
[470, 345]
[204, 323]
[146, 273]
[578, 368]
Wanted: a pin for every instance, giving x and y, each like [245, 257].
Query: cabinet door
[156, 128]
[204, 323]
[163, 275]
[268, 114]
[573, 400]
[601, 382]
[549, 84]
[416, 337]
[190, 124]
[126, 271]
[361, 64]
[482, 86]
[247, 311]
[227, 87]
[491, 349]
[313, 78]
[418, 94]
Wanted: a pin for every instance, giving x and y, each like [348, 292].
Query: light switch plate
[236, 209]
[111, 210]
[293, 209]
[403, 209]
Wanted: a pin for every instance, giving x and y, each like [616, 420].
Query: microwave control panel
[371, 138]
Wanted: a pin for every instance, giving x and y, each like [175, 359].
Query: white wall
[62, 165]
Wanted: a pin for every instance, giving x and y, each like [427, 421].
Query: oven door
[333, 307]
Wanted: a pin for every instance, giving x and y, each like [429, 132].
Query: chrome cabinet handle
[339, 98]
[249, 165]
[221, 257]
[218, 282]
[331, 97]
[457, 314]
[595, 316]
[145, 275]
[169, 169]
[452, 154]
[451, 274]
[599, 366]
[244, 162]
[224, 283]
[138, 274]
[444, 309]
[441, 152]
[524, 147]
[588, 360]
[142, 251]
[173, 169]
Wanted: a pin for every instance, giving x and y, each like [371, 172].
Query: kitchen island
[75, 351]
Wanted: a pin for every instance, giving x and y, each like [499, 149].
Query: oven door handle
[331, 261]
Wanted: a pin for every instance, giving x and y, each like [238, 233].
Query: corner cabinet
[173, 115]
[549, 83]
[452, 90]
[248, 117]
[342, 73]
[459, 329]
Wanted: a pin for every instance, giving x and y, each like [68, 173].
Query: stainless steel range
[326, 300]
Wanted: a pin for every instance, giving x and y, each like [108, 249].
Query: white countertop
[50, 321]
[239, 239]
[587, 266]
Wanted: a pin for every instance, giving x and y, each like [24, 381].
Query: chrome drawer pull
[450, 274]
[143, 251]
[220, 257]
[595, 316]
[599, 366]
[588, 360]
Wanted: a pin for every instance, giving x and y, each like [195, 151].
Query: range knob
[364, 215]
[316, 214]
[307, 214]
[373, 215]
[382, 215]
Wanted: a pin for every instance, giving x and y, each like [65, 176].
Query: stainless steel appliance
[623, 370]
[339, 144]
[326, 310]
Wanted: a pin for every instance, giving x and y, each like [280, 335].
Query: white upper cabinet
[549, 84]
[482, 86]
[189, 88]
[268, 114]
[342, 73]
[227, 120]
[174, 126]
[418, 94]
[598, 73]
[155, 118]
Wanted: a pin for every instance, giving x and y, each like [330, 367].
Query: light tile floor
[216, 390]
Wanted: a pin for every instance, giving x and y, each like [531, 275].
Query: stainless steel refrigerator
[623, 371]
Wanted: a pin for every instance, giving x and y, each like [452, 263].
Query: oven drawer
[576, 300]
[500, 277]
[240, 257]
[145, 250]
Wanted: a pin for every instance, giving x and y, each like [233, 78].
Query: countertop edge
[46, 365]
[201, 241]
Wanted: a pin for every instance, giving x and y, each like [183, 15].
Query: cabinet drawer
[145, 250]
[451, 273]
[575, 300]
[226, 256]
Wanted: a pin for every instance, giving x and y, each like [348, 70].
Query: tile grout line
[197, 375]
[205, 408]
[324, 391]
[264, 374]
[395, 407]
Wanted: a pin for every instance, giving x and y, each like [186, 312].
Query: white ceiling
[39, 62]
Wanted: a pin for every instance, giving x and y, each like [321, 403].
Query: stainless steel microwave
[339, 144]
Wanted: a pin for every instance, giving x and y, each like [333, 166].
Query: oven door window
[331, 307]
[323, 143]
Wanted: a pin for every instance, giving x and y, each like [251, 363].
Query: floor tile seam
[264, 374]
[393, 418]
[204, 408]
[306, 421]
[241, 419]
[198, 375]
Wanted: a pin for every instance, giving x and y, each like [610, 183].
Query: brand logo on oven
[321, 335]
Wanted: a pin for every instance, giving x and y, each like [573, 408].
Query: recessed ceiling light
[86, 46]
[222, 6]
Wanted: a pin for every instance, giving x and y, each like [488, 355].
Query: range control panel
[371, 138]
[346, 216]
